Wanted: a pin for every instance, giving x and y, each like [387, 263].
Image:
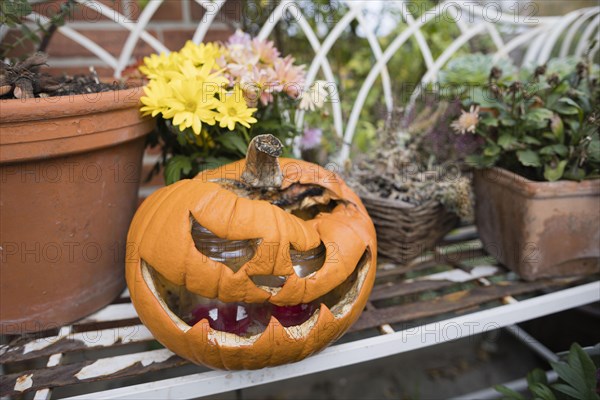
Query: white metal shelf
[454, 292]
[214, 382]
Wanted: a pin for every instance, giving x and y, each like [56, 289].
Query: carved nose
[274, 281]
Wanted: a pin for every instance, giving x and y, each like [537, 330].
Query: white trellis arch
[538, 37]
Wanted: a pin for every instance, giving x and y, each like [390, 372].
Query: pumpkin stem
[262, 165]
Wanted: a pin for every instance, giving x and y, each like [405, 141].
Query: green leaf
[214, 162]
[567, 106]
[175, 167]
[531, 140]
[593, 148]
[549, 135]
[11, 11]
[574, 125]
[538, 117]
[528, 158]
[508, 393]
[483, 97]
[507, 120]
[568, 374]
[542, 391]
[488, 120]
[491, 150]
[562, 87]
[568, 390]
[29, 34]
[233, 141]
[364, 136]
[558, 149]
[537, 376]
[554, 173]
[581, 362]
[507, 141]
[557, 126]
[575, 174]
[481, 161]
[181, 139]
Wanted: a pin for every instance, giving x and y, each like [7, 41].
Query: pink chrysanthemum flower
[260, 84]
[242, 55]
[239, 38]
[289, 76]
[266, 51]
[239, 51]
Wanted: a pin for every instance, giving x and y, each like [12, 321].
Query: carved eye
[307, 262]
[233, 253]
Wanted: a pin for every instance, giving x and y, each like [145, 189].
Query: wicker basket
[404, 231]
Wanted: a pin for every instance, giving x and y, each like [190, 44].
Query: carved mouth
[245, 322]
[249, 320]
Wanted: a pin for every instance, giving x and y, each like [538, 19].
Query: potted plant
[415, 192]
[70, 164]
[537, 188]
[247, 88]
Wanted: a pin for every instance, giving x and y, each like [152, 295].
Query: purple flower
[311, 138]
[240, 37]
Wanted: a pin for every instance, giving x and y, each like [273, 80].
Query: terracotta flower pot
[70, 170]
[539, 229]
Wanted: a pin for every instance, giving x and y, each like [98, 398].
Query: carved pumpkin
[257, 263]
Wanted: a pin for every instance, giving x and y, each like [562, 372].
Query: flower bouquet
[211, 99]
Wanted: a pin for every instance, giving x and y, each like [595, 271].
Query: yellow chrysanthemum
[232, 109]
[157, 92]
[189, 106]
[159, 66]
[213, 81]
[202, 53]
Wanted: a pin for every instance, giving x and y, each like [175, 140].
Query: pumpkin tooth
[231, 339]
[269, 289]
[346, 302]
[150, 283]
[300, 331]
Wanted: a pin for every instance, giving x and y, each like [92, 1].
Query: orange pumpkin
[257, 263]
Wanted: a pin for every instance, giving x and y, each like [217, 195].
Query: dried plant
[401, 169]
[24, 80]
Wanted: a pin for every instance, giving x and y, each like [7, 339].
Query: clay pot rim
[26, 110]
[53, 127]
[536, 189]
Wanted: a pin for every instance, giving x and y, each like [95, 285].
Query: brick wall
[174, 22]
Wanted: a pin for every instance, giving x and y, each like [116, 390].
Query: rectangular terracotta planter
[539, 229]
